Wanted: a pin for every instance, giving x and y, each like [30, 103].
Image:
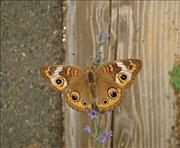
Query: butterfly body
[101, 86]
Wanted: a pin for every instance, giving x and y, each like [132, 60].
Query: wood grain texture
[84, 21]
[148, 30]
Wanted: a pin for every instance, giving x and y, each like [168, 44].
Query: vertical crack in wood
[116, 46]
[110, 18]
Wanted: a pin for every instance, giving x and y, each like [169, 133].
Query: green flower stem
[99, 145]
[97, 132]
[96, 128]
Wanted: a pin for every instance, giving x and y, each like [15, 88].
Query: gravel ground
[31, 115]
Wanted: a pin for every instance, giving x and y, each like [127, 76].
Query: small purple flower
[107, 35]
[87, 129]
[102, 139]
[109, 134]
[100, 34]
[92, 114]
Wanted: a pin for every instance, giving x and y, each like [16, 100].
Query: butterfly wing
[78, 96]
[61, 76]
[123, 72]
[112, 79]
[71, 81]
[109, 94]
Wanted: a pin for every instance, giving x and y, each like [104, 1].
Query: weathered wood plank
[148, 31]
[84, 21]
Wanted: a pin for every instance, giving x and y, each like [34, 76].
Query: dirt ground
[30, 38]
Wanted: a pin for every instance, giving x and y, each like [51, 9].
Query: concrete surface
[30, 38]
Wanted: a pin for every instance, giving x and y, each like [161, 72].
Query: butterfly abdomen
[91, 80]
[90, 77]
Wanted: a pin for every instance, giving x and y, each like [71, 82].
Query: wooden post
[84, 21]
[148, 30]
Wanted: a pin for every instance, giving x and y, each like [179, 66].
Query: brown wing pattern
[61, 76]
[78, 96]
[122, 72]
[71, 81]
[112, 79]
[109, 94]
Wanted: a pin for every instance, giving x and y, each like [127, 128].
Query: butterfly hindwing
[78, 96]
[109, 94]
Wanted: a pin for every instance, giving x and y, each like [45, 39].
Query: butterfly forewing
[122, 72]
[61, 76]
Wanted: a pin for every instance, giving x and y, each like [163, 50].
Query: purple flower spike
[100, 34]
[109, 134]
[102, 139]
[92, 114]
[87, 129]
[107, 35]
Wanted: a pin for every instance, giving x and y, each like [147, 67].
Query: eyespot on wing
[51, 73]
